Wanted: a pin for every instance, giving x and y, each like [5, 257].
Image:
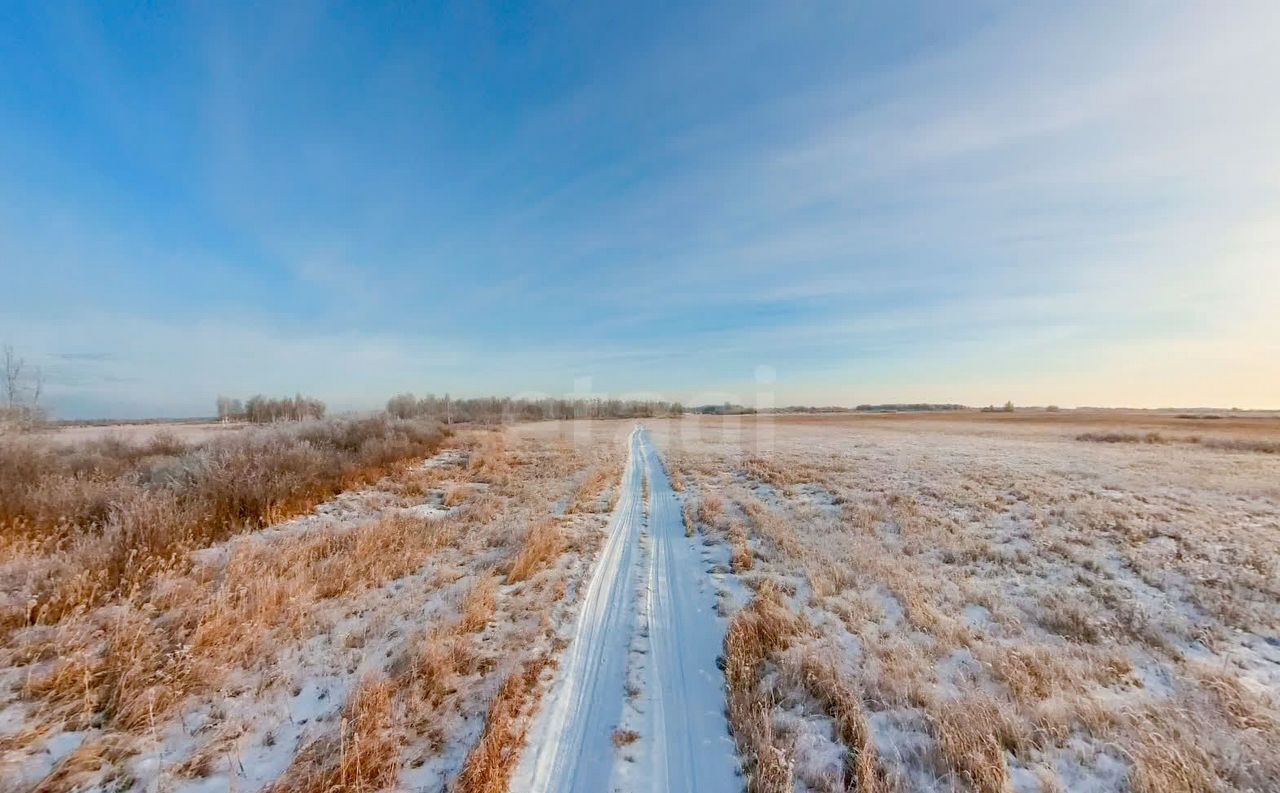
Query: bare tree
[12, 378]
[225, 412]
[23, 389]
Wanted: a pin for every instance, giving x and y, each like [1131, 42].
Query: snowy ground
[185, 431]
[985, 603]
[638, 704]
[278, 637]
[995, 605]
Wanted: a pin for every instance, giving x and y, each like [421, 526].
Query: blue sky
[852, 202]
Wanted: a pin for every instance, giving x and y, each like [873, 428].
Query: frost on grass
[961, 603]
[393, 636]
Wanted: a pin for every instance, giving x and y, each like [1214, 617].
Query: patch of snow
[977, 616]
[428, 511]
[816, 751]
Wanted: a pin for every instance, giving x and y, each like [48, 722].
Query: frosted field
[189, 432]
[1034, 602]
[397, 636]
[988, 603]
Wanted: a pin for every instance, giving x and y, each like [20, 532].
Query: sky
[773, 203]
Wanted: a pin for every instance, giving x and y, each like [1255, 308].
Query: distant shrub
[1121, 437]
[1242, 445]
[1260, 445]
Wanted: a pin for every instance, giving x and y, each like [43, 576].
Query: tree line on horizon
[494, 410]
[732, 408]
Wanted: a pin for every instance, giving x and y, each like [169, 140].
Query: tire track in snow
[685, 724]
[570, 746]
[684, 742]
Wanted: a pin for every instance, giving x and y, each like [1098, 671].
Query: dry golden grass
[712, 512]
[187, 636]
[676, 478]
[489, 764]
[383, 713]
[966, 732]
[740, 556]
[838, 697]
[479, 604]
[544, 542]
[1022, 603]
[1166, 758]
[622, 738]
[1261, 445]
[443, 669]
[590, 494]
[362, 757]
[99, 757]
[767, 643]
[756, 633]
[193, 628]
[97, 521]
[455, 495]
[710, 509]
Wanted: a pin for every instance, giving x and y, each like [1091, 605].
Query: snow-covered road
[663, 637]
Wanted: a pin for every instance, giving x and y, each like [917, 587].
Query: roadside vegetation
[952, 603]
[83, 524]
[326, 605]
[974, 602]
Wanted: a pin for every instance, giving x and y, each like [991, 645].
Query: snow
[684, 695]
[428, 511]
[655, 673]
[570, 746]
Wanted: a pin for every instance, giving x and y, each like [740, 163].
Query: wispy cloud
[1023, 202]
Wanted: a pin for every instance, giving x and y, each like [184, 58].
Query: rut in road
[678, 711]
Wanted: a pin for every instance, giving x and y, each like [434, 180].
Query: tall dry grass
[362, 757]
[363, 753]
[1002, 605]
[491, 761]
[125, 663]
[589, 497]
[81, 525]
[450, 666]
[755, 635]
[111, 617]
[544, 542]
[840, 698]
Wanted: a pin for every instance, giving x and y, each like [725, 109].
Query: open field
[964, 601]
[185, 431]
[384, 619]
[987, 602]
